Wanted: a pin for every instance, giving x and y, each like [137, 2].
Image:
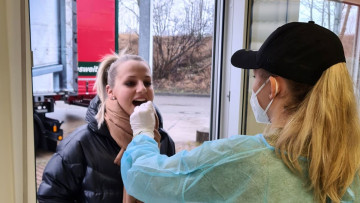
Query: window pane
[178, 45]
[182, 34]
[341, 18]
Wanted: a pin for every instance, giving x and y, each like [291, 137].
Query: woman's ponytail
[326, 130]
[101, 82]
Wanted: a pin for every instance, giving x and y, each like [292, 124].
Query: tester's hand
[142, 120]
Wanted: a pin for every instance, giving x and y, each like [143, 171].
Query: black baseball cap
[297, 51]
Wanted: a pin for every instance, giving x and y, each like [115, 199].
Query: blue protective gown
[236, 169]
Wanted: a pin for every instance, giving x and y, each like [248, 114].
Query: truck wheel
[36, 135]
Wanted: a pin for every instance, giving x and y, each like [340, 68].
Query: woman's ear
[274, 85]
[109, 91]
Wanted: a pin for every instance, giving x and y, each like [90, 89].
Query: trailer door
[52, 46]
[45, 45]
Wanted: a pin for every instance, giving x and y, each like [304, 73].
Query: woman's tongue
[138, 102]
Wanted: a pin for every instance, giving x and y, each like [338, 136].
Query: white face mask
[260, 113]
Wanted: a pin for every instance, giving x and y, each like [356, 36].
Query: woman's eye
[130, 83]
[147, 83]
[253, 76]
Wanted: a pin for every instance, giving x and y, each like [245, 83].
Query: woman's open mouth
[138, 102]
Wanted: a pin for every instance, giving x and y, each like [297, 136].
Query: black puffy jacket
[83, 169]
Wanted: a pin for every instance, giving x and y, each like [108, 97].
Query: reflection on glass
[181, 46]
[341, 18]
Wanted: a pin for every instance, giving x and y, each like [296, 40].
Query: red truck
[68, 38]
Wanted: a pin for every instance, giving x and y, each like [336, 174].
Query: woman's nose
[141, 88]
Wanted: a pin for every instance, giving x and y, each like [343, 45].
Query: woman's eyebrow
[133, 76]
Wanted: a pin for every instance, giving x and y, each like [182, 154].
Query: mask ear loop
[276, 91]
[262, 86]
[268, 106]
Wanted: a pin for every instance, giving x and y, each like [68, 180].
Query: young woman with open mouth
[86, 166]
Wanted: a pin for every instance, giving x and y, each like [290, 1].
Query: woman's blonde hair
[106, 75]
[325, 128]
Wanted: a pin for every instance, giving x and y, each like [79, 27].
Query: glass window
[340, 17]
[182, 33]
[343, 19]
[174, 36]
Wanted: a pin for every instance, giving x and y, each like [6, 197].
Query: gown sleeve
[188, 176]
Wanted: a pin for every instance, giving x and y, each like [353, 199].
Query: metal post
[67, 45]
[145, 30]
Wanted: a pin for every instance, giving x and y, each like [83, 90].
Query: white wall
[17, 170]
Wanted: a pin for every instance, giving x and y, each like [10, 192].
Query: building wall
[17, 168]
[6, 169]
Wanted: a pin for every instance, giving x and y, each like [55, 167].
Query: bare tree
[131, 8]
[327, 12]
[181, 39]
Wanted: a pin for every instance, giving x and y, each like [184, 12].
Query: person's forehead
[132, 67]
[133, 63]
[132, 75]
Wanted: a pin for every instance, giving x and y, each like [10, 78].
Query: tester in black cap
[303, 88]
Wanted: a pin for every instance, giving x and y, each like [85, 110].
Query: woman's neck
[277, 114]
[279, 118]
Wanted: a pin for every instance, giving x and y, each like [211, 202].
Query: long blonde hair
[106, 75]
[325, 128]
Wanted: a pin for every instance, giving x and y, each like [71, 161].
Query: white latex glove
[142, 120]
